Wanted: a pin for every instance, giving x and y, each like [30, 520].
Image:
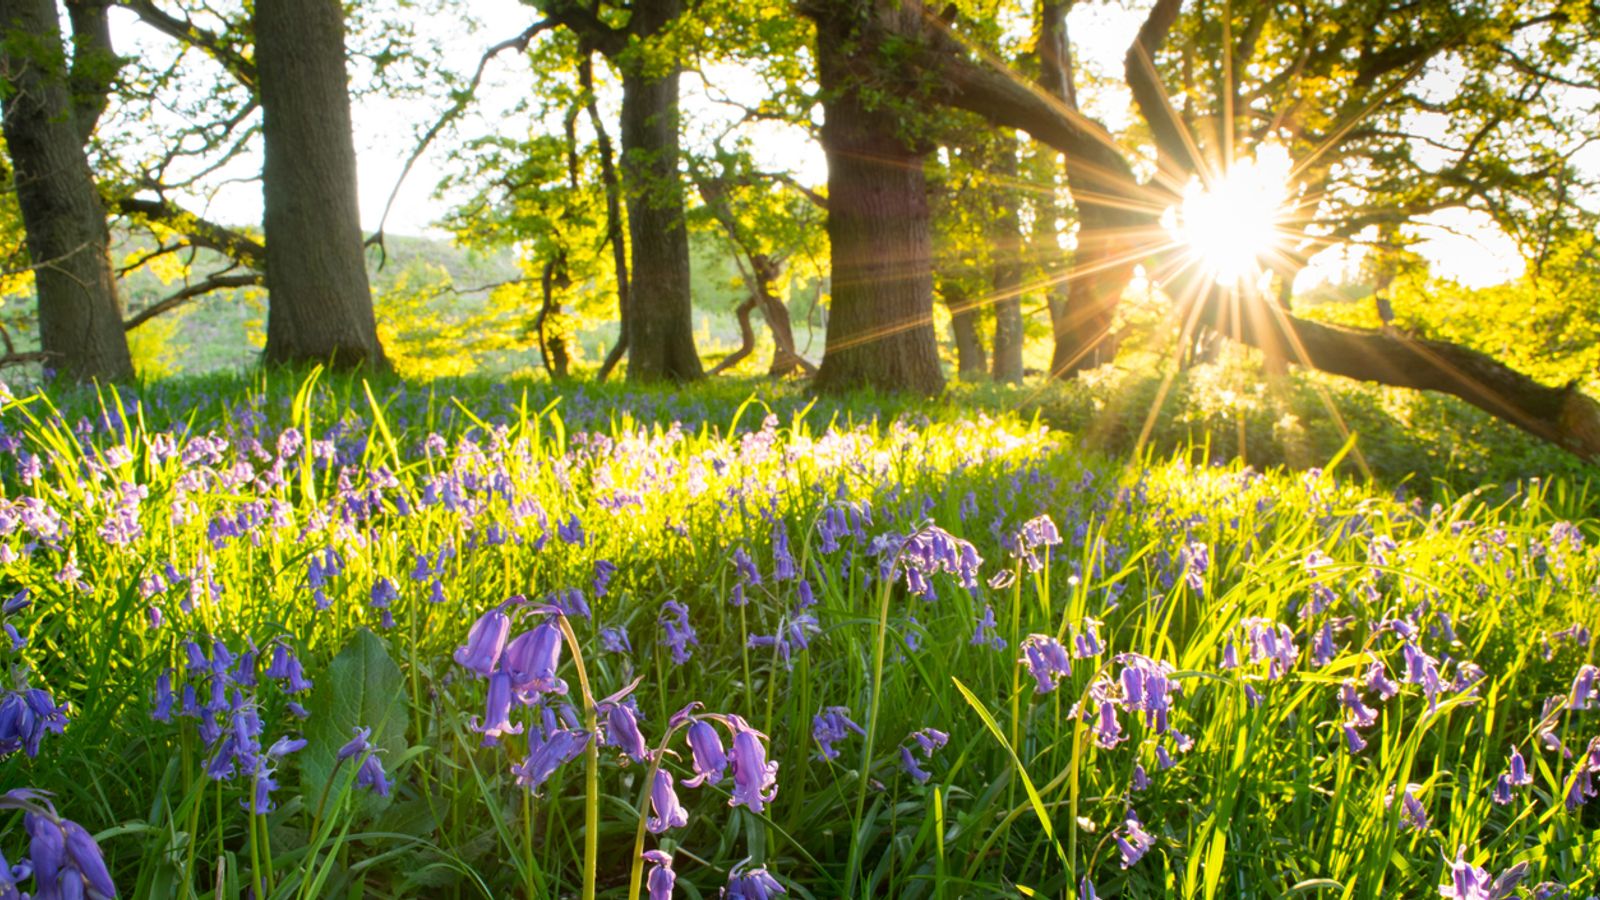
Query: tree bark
[971, 364]
[764, 272]
[880, 322]
[614, 225]
[1006, 246]
[80, 320]
[553, 344]
[661, 320]
[319, 302]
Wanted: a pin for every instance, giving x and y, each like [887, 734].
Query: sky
[1467, 246]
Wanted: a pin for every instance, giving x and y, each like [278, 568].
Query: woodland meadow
[825, 449]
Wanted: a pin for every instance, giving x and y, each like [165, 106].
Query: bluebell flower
[547, 753]
[1353, 740]
[1361, 715]
[26, 716]
[18, 642]
[622, 730]
[497, 716]
[532, 658]
[1047, 661]
[1469, 882]
[1585, 687]
[909, 763]
[669, 813]
[286, 668]
[16, 602]
[705, 747]
[755, 780]
[1086, 641]
[987, 631]
[661, 879]
[357, 745]
[783, 564]
[1140, 780]
[1133, 842]
[372, 777]
[485, 642]
[615, 640]
[830, 726]
[604, 570]
[164, 698]
[66, 860]
[677, 633]
[748, 573]
[1195, 558]
[1413, 814]
[805, 598]
[752, 884]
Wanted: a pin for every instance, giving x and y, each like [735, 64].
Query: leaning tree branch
[1563, 416]
[200, 288]
[200, 232]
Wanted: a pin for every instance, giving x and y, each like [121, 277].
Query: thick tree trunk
[880, 322]
[319, 302]
[1563, 416]
[661, 319]
[971, 364]
[1006, 246]
[80, 322]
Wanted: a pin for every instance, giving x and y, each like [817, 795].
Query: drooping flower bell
[669, 813]
[661, 879]
[485, 642]
[532, 658]
[755, 780]
[705, 748]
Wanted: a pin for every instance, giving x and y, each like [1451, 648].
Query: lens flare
[1230, 226]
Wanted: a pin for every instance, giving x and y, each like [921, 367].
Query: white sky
[385, 133]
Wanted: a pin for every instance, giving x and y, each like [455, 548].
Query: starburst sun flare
[1231, 225]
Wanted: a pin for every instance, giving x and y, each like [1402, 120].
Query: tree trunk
[880, 322]
[1563, 416]
[614, 224]
[553, 341]
[747, 336]
[319, 303]
[970, 362]
[661, 321]
[765, 270]
[80, 321]
[1006, 247]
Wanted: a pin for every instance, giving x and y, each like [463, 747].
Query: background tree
[51, 106]
[320, 305]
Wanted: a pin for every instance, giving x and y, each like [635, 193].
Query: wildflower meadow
[326, 638]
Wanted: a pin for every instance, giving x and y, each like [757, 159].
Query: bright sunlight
[1232, 225]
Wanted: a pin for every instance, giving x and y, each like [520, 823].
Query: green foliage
[362, 688]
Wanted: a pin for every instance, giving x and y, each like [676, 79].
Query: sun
[1232, 225]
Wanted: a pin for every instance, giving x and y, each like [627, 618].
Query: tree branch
[200, 288]
[185, 31]
[202, 233]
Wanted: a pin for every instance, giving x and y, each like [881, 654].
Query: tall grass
[1026, 798]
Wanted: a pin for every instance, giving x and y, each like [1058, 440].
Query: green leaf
[362, 687]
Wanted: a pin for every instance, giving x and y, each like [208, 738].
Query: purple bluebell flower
[622, 730]
[1469, 882]
[26, 716]
[1379, 682]
[669, 813]
[604, 571]
[1354, 742]
[748, 573]
[372, 777]
[357, 745]
[1518, 773]
[1361, 715]
[751, 884]
[1047, 661]
[18, 642]
[1195, 558]
[16, 602]
[532, 658]
[705, 749]
[497, 716]
[987, 631]
[1086, 641]
[164, 698]
[755, 780]
[804, 597]
[286, 668]
[661, 879]
[66, 860]
[677, 633]
[547, 753]
[1140, 780]
[1413, 814]
[615, 640]
[485, 642]
[1585, 687]
[1133, 842]
[1501, 794]
[783, 564]
[1272, 643]
[830, 726]
[909, 763]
